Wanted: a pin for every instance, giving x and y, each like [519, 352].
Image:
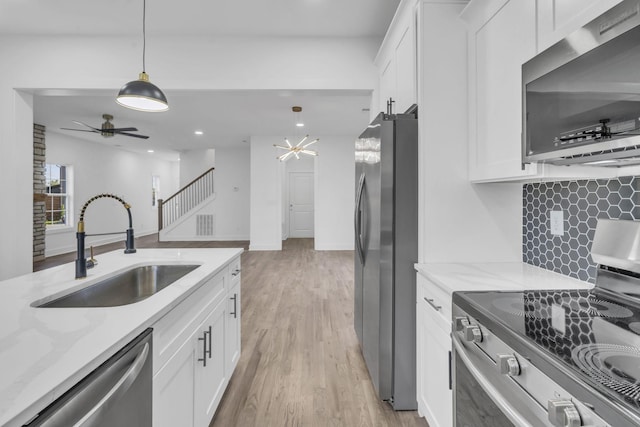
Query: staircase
[184, 205]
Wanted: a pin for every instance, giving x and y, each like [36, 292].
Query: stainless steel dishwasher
[117, 393]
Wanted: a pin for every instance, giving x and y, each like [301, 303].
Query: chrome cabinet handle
[205, 352]
[236, 272]
[432, 304]
[235, 306]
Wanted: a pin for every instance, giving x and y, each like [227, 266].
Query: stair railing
[187, 198]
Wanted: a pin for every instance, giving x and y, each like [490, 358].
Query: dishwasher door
[117, 393]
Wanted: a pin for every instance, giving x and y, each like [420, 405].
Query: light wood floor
[301, 364]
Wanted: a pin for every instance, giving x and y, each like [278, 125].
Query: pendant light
[141, 94]
[300, 148]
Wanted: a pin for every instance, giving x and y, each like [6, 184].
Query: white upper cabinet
[502, 36]
[396, 61]
[558, 18]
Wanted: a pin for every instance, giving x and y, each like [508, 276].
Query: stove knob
[563, 413]
[472, 333]
[461, 323]
[507, 364]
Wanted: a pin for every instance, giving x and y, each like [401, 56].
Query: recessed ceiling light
[199, 132]
[149, 151]
[300, 124]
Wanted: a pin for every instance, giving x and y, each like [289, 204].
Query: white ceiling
[314, 18]
[226, 117]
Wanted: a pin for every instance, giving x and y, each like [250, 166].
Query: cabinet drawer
[172, 330]
[436, 300]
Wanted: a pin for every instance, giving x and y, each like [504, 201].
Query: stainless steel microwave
[581, 96]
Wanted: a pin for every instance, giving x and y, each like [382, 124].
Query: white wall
[99, 168]
[458, 221]
[232, 186]
[194, 163]
[66, 62]
[335, 193]
[266, 195]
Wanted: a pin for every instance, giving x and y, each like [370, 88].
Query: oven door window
[473, 406]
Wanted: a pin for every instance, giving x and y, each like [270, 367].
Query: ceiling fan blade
[122, 129]
[81, 130]
[84, 124]
[133, 135]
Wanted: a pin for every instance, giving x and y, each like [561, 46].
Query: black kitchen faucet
[81, 261]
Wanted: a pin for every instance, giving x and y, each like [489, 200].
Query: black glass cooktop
[595, 333]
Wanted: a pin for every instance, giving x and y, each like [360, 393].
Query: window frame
[67, 196]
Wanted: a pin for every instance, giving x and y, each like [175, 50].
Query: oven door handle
[493, 392]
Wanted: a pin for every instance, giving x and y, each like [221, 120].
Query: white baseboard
[97, 242]
[265, 247]
[190, 238]
[334, 247]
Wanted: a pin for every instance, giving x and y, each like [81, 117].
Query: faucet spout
[81, 260]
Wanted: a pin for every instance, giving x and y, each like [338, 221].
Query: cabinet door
[405, 62]
[387, 83]
[421, 355]
[397, 62]
[497, 50]
[435, 399]
[173, 388]
[232, 332]
[210, 378]
[557, 19]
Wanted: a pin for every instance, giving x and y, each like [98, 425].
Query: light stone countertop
[499, 276]
[44, 351]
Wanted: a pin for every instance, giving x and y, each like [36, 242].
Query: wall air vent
[205, 225]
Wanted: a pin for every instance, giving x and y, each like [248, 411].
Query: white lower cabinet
[232, 336]
[210, 375]
[193, 345]
[433, 346]
[173, 390]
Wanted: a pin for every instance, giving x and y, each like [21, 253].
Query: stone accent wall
[39, 217]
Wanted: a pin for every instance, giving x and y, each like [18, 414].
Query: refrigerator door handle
[358, 219]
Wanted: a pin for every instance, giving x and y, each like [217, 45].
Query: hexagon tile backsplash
[582, 203]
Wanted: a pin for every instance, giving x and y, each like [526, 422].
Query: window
[57, 186]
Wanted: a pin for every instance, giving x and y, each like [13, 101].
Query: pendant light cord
[144, 32]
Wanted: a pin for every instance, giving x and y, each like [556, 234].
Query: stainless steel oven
[496, 386]
[554, 357]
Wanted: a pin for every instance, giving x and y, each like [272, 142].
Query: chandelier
[300, 147]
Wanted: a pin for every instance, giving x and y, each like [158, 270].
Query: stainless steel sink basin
[128, 287]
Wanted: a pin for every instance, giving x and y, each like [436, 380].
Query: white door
[301, 204]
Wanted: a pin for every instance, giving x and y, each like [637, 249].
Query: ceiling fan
[108, 130]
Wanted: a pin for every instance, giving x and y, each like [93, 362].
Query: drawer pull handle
[432, 304]
[235, 306]
[204, 347]
[236, 272]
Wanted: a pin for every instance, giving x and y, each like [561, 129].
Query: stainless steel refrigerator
[386, 242]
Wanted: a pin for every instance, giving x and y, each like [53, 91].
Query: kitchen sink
[128, 287]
